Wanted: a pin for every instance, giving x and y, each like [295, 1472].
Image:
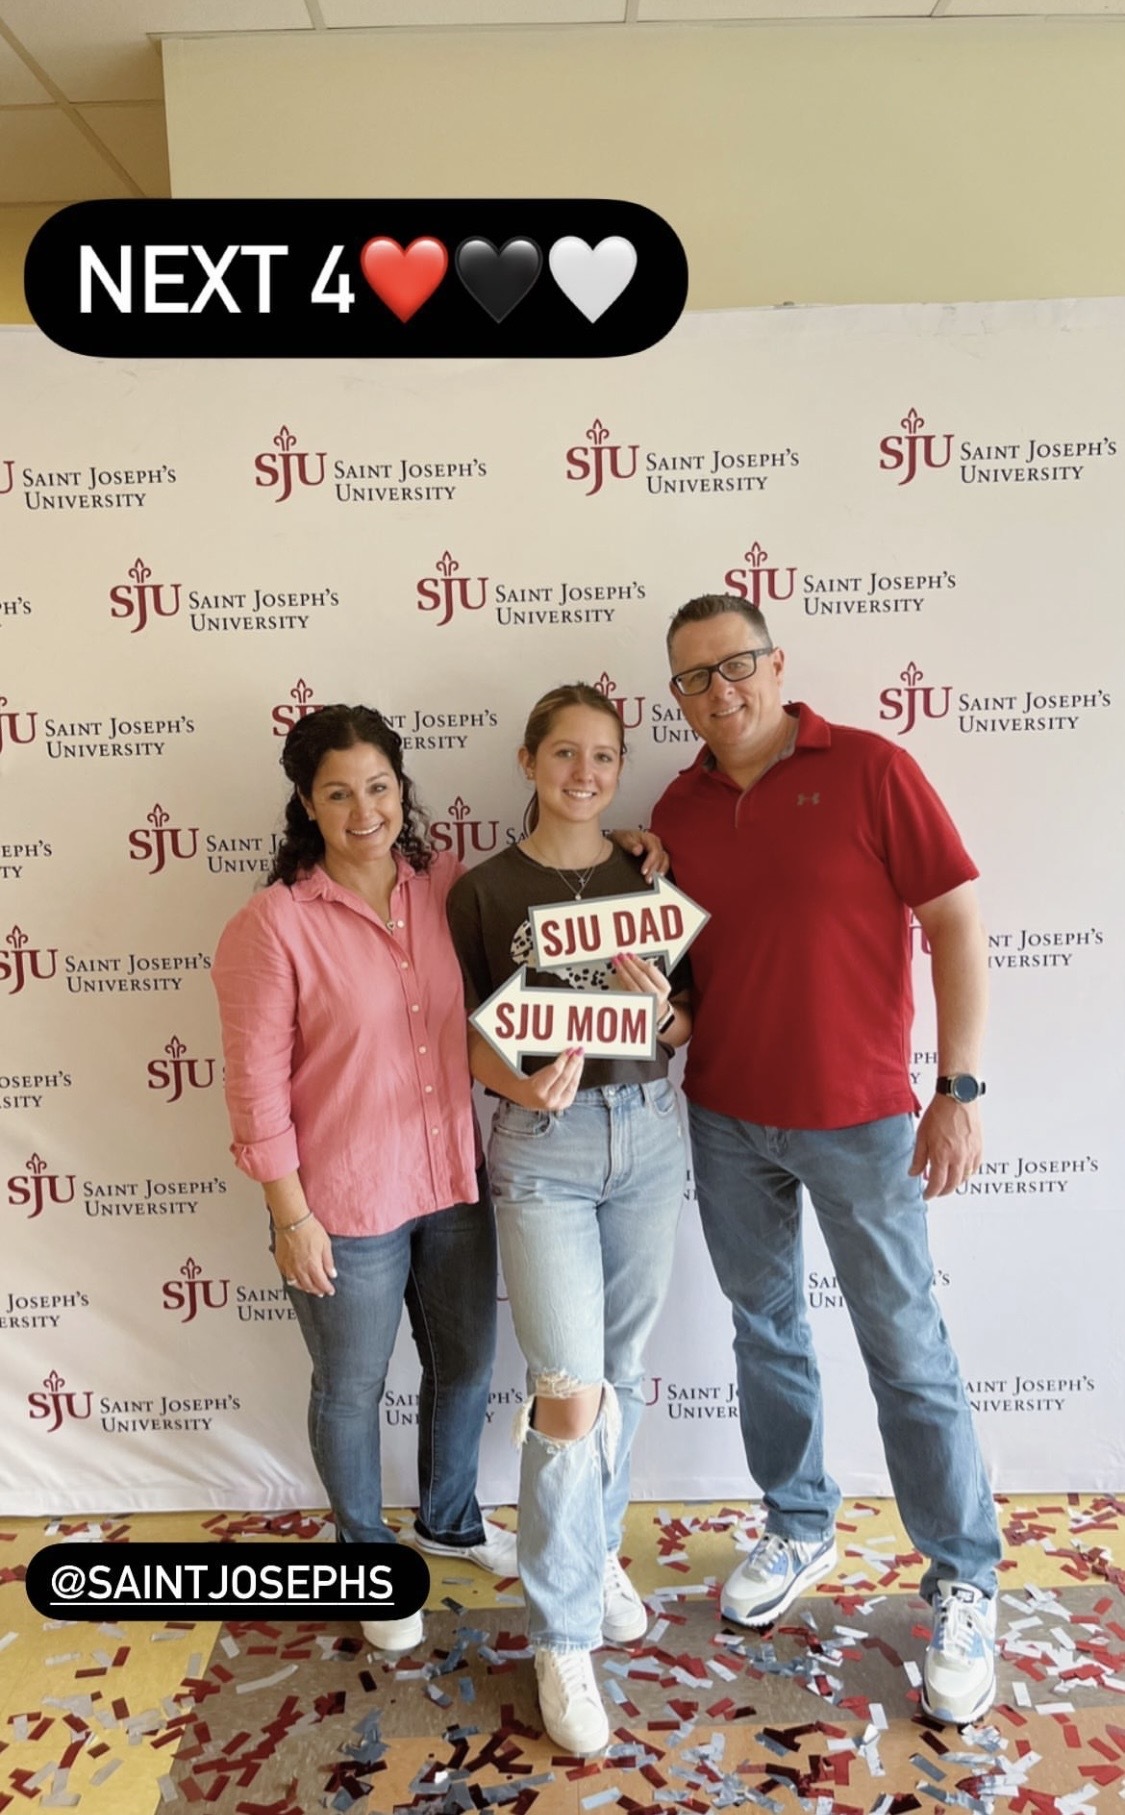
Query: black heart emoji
[498, 280]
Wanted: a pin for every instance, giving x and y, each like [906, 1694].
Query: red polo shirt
[803, 1001]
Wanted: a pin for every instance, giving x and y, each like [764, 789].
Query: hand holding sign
[517, 1021]
[645, 978]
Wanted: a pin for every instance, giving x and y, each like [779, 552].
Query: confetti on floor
[819, 1712]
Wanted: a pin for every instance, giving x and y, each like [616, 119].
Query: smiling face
[356, 802]
[576, 766]
[740, 721]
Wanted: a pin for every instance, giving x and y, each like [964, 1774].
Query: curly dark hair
[308, 743]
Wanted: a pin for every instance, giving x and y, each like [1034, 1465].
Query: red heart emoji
[404, 280]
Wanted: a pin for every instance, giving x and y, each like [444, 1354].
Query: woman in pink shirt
[350, 1101]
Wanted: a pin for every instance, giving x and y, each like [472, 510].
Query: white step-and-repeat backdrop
[929, 503]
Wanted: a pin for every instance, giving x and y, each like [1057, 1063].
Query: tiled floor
[819, 1712]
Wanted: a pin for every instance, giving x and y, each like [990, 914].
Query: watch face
[964, 1088]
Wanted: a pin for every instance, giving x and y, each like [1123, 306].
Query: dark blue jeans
[873, 1218]
[443, 1267]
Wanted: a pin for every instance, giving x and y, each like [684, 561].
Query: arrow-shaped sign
[664, 921]
[607, 1024]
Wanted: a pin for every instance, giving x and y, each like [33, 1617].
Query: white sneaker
[393, 1635]
[569, 1701]
[496, 1551]
[773, 1575]
[624, 1614]
[959, 1672]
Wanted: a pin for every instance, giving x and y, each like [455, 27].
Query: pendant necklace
[574, 880]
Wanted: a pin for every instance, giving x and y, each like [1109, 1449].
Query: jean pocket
[524, 1124]
[663, 1098]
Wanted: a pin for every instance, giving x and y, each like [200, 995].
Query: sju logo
[192, 1293]
[462, 833]
[161, 842]
[289, 467]
[601, 459]
[144, 600]
[912, 701]
[178, 1074]
[757, 582]
[449, 590]
[913, 450]
[23, 962]
[39, 1187]
[57, 1405]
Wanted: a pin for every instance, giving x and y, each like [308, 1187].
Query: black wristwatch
[961, 1086]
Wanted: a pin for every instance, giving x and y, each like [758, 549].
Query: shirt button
[433, 1131]
[421, 1049]
[414, 1006]
[429, 1090]
[404, 966]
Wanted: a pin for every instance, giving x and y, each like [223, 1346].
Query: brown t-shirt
[488, 917]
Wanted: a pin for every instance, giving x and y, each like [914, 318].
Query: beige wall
[913, 160]
[18, 227]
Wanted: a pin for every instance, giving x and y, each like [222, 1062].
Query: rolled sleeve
[256, 985]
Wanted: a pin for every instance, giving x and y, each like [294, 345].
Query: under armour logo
[812, 800]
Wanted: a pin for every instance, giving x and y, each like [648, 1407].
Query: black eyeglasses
[741, 667]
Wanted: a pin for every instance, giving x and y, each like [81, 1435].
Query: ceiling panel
[18, 87]
[1051, 9]
[99, 50]
[467, 13]
[134, 133]
[696, 11]
[44, 157]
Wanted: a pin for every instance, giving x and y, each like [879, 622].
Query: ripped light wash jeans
[587, 1202]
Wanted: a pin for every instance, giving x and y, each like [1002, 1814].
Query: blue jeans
[587, 1203]
[444, 1267]
[873, 1218]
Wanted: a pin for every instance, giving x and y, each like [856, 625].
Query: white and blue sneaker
[773, 1575]
[959, 1673]
[496, 1551]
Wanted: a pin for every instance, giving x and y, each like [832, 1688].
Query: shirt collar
[317, 885]
[813, 733]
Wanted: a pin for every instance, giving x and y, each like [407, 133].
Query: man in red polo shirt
[810, 845]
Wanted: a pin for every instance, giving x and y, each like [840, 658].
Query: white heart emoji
[592, 277]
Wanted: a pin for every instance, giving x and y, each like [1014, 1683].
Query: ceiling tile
[134, 132]
[1057, 9]
[375, 13]
[18, 87]
[100, 50]
[44, 157]
[779, 11]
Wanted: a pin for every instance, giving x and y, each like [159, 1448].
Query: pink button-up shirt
[345, 1048]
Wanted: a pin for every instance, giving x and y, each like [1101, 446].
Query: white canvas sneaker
[394, 1635]
[496, 1551]
[569, 1701]
[624, 1614]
